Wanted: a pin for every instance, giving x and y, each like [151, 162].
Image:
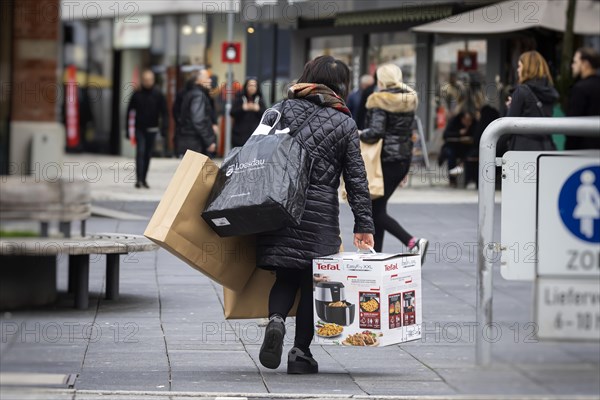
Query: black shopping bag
[261, 187]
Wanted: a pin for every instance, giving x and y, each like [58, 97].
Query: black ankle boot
[300, 362]
[272, 347]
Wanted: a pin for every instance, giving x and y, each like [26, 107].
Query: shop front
[108, 56]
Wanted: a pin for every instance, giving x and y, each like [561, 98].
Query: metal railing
[580, 126]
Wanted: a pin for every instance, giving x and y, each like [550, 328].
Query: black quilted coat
[332, 141]
[390, 116]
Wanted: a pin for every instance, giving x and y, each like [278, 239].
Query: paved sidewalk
[112, 178]
[166, 338]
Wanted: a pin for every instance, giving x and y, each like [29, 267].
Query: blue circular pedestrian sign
[579, 204]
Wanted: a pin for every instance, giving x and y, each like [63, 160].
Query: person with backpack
[534, 96]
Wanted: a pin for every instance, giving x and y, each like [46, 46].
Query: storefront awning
[403, 14]
[517, 15]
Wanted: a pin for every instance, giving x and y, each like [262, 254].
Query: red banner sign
[72, 108]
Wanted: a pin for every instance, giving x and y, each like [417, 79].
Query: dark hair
[245, 88]
[328, 71]
[590, 55]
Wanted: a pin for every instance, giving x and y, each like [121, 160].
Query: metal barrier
[584, 126]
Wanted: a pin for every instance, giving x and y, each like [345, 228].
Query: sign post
[568, 248]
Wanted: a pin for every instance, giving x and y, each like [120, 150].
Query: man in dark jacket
[355, 97]
[196, 117]
[151, 117]
[585, 95]
[189, 85]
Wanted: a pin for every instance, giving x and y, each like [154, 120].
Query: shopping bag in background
[177, 226]
[371, 154]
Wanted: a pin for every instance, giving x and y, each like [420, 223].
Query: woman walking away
[332, 142]
[390, 116]
[535, 96]
[246, 112]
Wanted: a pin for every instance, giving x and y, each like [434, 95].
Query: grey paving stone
[112, 396]
[323, 383]
[211, 360]
[126, 379]
[11, 393]
[497, 380]
[567, 381]
[188, 345]
[406, 388]
[231, 381]
[443, 356]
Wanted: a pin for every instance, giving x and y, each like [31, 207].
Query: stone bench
[27, 198]
[78, 249]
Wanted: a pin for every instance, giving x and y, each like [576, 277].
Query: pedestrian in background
[534, 96]
[459, 137]
[464, 130]
[353, 102]
[189, 85]
[151, 117]
[197, 118]
[584, 99]
[246, 112]
[331, 140]
[361, 114]
[390, 116]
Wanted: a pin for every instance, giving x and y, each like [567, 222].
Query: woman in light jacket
[390, 116]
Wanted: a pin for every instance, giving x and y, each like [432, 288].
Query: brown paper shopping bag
[253, 300]
[371, 154]
[178, 227]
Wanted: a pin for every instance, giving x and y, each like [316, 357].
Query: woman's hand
[508, 101]
[364, 241]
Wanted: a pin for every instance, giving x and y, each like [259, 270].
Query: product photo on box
[367, 300]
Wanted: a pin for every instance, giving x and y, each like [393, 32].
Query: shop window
[455, 62]
[339, 47]
[88, 47]
[396, 48]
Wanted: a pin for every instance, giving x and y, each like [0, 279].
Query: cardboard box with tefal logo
[367, 299]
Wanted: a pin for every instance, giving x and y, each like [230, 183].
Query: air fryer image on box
[331, 304]
[395, 310]
[409, 308]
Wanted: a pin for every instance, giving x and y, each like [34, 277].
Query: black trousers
[393, 174]
[282, 297]
[145, 145]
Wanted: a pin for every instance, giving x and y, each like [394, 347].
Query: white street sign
[568, 308]
[568, 216]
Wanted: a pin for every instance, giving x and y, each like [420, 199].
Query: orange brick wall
[35, 89]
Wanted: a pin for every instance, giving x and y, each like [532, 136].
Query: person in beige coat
[390, 117]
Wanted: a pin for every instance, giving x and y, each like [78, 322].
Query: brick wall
[35, 88]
